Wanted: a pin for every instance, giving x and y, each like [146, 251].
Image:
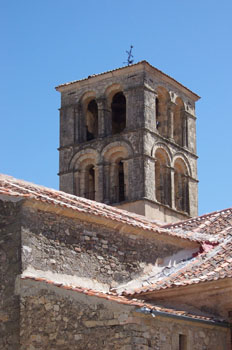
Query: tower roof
[142, 64]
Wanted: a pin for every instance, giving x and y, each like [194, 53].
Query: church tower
[128, 139]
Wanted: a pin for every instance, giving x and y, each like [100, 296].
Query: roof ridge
[126, 67]
[44, 194]
[196, 218]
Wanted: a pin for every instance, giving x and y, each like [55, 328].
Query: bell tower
[128, 139]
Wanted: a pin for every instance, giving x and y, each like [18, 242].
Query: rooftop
[141, 63]
[18, 188]
[211, 265]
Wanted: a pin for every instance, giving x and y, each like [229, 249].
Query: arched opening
[92, 121]
[118, 108]
[162, 101]
[180, 124]
[181, 185]
[162, 178]
[90, 183]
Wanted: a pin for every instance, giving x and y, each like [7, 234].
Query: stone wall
[54, 318]
[10, 267]
[70, 246]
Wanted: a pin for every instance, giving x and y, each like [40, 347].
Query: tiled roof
[13, 187]
[126, 301]
[212, 223]
[208, 266]
[126, 67]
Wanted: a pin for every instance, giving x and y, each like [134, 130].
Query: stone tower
[128, 139]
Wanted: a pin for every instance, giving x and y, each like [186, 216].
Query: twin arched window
[86, 181]
[164, 185]
[171, 120]
[118, 116]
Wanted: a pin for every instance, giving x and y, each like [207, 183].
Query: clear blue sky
[48, 42]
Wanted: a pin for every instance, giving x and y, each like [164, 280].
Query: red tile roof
[124, 300]
[211, 265]
[212, 223]
[126, 67]
[14, 187]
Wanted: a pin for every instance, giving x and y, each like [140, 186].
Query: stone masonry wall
[140, 85]
[52, 318]
[74, 247]
[9, 269]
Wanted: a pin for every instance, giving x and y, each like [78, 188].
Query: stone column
[171, 121]
[149, 178]
[106, 177]
[128, 108]
[77, 115]
[126, 178]
[101, 104]
[112, 183]
[173, 187]
[82, 183]
[98, 169]
[80, 124]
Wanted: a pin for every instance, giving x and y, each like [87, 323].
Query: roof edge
[143, 62]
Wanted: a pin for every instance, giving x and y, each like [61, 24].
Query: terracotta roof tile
[19, 188]
[214, 223]
[211, 265]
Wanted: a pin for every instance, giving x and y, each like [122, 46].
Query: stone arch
[181, 185]
[123, 146]
[116, 172]
[111, 91]
[162, 177]
[163, 146]
[82, 156]
[185, 160]
[87, 97]
[163, 123]
[180, 123]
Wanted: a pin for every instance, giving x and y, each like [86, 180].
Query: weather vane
[130, 56]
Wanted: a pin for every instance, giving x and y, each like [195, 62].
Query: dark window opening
[181, 192]
[182, 342]
[118, 191]
[121, 190]
[163, 183]
[90, 184]
[118, 107]
[92, 121]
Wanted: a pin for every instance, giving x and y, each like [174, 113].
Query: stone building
[128, 138]
[78, 273]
